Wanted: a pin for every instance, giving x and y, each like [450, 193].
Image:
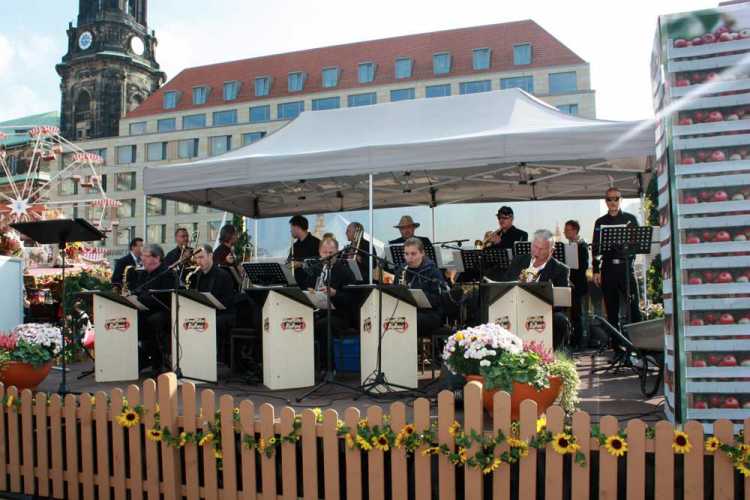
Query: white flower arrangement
[479, 344]
[43, 334]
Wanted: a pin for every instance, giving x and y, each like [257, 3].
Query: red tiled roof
[547, 51]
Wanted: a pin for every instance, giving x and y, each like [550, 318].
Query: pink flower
[540, 350]
[8, 341]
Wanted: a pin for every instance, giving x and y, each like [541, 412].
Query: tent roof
[494, 146]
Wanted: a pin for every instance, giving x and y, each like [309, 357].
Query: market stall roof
[487, 147]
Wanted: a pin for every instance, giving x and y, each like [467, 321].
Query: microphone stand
[329, 377]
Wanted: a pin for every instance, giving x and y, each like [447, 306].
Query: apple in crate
[713, 359]
[685, 121]
[702, 155]
[718, 155]
[687, 160]
[715, 401]
[680, 43]
[695, 280]
[709, 38]
[740, 237]
[696, 322]
[722, 236]
[725, 37]
[726, 319]
[710, 318]
[725, 277]
[705, 196]
[730, 403]
[720, 195]
[700, 404]
[745, 362]
[728, 360]
[692, 239]
[682, 82]
[715, 116]
[690, 199]
[698, 116]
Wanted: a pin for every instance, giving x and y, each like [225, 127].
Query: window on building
[125, 181]
[326, 103]
[441, 63]
[296, 81]
[251, 137]
[156, 151]
[193, 121]
[259, 114]
[214, 227]
[182, 208]
[559, 83]
[187, 148]
[402, 94]
[366, 72]
[571, 109]
[438, 90]
[330, 77]
[138, 128]
[231, 90]
[155, 206]
[156, 233]
[481, 59]
[126, 154]
[124, 235]
[474, 87]
[170, 99]
[67, 187]
[403, 68]
[262, 86]
[290, 110]
[200, 95]
[219, 144]
[522, 53]
[362, 99]
[127, 209]
[521, 82]
[166, 125]
[227, 117]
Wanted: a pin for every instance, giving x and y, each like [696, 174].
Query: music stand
[60, 232]
[631, 240]
[269, 273]
[397, 253]
[524, 248]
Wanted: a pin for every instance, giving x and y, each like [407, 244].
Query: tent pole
[432, 209]
[372, 230]
[257, 238]
[646, 258]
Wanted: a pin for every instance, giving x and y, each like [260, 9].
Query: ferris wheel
[27, 196]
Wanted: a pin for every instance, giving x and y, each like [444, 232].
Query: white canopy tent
[486, 147]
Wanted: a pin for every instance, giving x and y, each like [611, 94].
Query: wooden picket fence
[73, 448]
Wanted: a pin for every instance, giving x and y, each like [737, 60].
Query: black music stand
[630, 240]
[60, 232]
[524, 248]
[267, 274]
[397, 253]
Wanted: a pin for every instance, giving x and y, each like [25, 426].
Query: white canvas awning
[487, 147]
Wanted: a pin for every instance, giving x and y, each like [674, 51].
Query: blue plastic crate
[346, 354]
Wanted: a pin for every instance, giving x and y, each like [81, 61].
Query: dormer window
[200, 95]
[366, 72]
[441, 63]
[296, 81]
[231, 90]
[522, 54]
[170, 99]
[330, 77]
[481, 59]
[403, 68]
[262, 86]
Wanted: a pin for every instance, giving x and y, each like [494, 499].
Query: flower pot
[543, 398]
[24, 375]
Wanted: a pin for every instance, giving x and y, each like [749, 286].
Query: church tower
[109, 69]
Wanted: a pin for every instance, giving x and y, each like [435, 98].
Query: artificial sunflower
[349, 441]
[408, 430]
[362, 423]
[236, 411]
[492, 466]
[541, 423]
[339, 424]
[318, 414]
[363, 444]
[520, 444]
[93, 400]
[454, 428]
[9, 402]
[128, 418]
[218, 454]
[616, 446]
[399, 440]
[463, 455]
[206, 439]
[681, 443]
[742, 468]
[712, 444]
[261, 445]
[153, 435]
[432, 450]
[380, 442]
[272, 441]
[563, 443]
[183, 439]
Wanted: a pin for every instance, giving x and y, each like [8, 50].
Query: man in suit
[359, 249]
[132, 258]
[580, 283]
[507, 234]
[305, 246]
[541, 266]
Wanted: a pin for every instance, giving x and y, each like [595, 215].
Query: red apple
[743, 279]
[714, 401]
[695, 280]
[696, 322]
[682, 83]
[705, 195]
[710, 318]
[687, 160]
[720, 195]
[728, 360]
[697, 41]
[711, 76]
[724, 277]
[723, 236]
[726, 319]
[690, 199]
[730, 402]
[692, 239]
[708, 235]
[715, 116]
[680, 43]
[721, 29]
[700, 405]
[685, 121]
[709, 38]
[718, 155]
[703, 155]
[725, 37]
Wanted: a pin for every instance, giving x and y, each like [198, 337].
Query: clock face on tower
[84, 41]
[136, 45]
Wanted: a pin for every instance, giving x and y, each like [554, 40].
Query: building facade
[208, 110]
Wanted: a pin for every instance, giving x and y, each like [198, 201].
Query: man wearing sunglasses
[610, 266]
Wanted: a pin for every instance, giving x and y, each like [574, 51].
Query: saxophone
[189, 277]
[402, 281]
[528, 275]
[124, 291]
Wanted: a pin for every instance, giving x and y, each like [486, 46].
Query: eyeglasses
[617, 198]
[504, 217]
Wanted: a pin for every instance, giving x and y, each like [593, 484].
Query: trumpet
[487, 241]
[402, 280]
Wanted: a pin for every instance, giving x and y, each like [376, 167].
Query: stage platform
[600, 393]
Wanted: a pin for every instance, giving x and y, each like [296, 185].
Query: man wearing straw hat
[406, 227]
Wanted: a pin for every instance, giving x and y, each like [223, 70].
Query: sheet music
[133, 299]
[318, 299]
[571, 255]
[218, 305]
[420, 298]
[354, 268]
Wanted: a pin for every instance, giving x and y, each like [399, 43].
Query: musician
[579, 281]
[359, 248]
[330, 276]
[154, 325]
[610, 267]
[508, 233]
[132, 259]
[305, 246]
[406, 226]
[421, 272]
[224, 253]
[182, 242]
[541, 266]
[211, 278]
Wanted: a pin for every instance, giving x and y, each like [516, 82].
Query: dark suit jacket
[578, 276]
[555, 271]
[120, 265]
[218, 283]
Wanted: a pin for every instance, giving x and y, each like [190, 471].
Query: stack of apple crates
[702, 103]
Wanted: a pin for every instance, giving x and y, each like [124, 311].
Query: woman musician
[224, 254]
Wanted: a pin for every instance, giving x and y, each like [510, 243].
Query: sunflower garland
[616, 445]
[681, 443]
[712, 444]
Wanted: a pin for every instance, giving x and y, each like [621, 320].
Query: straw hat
[406, 220]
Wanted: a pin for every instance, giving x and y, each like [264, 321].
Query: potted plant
[501, 361]
[27, 353]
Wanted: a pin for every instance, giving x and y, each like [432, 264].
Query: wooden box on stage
[116, 326]
[197, 335]
[523, 308]
[399, 330]
[288, 337]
